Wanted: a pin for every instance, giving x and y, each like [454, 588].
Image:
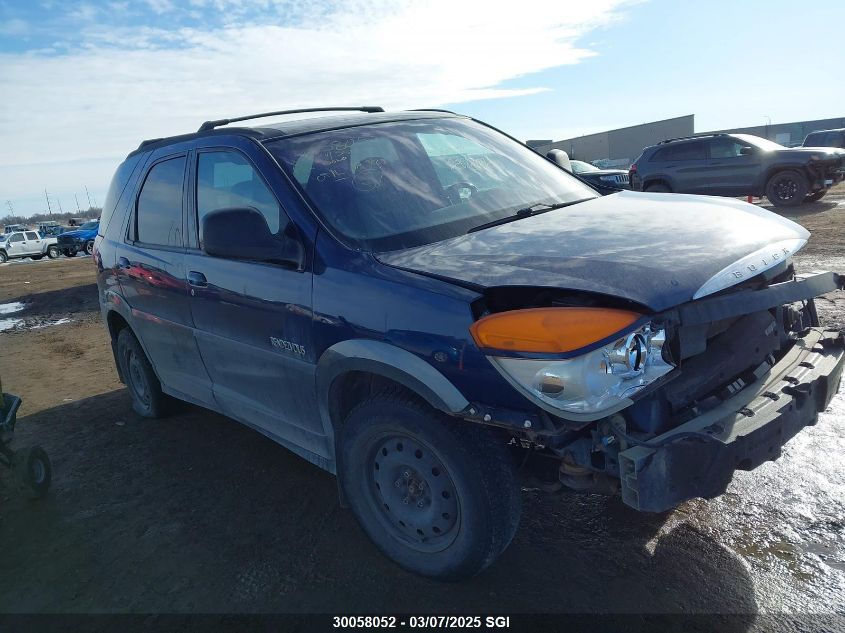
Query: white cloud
[123, 85]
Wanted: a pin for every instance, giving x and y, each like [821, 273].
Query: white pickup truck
[27, 244]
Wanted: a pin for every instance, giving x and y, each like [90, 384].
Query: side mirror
[561, 158]
[242, 233]
[746, 151]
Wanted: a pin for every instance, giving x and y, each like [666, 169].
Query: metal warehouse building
[621, 147]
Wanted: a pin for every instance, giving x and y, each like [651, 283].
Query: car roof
[299, 126]
[836, 129]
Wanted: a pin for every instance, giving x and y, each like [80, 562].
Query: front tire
[3, 257]
[658, 187]
[787, 188]
[816, 196]
[68, 253]
[148, 400]
[33, 470]
[437, 495]
[89, 247]
[53, 252]
[36, 257]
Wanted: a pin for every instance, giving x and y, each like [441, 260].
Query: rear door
[151, 270]
[33, 243]
[732, 173]
[685, 164]
[253, 319]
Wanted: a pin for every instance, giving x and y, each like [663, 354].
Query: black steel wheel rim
[137, 378]
[786, 188]
[412, 494]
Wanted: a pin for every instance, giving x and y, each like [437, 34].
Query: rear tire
[658, 187]
[3, 257]
[787, 188]
[148, 400]
[438, 496]
[53, 252]
[815, 197]
[89, 247]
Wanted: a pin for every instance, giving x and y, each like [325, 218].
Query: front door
[253, 319]
[151, 270]
[16, 246]
[733, 170]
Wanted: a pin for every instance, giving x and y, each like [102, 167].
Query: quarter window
[159, 213]
[228, 180]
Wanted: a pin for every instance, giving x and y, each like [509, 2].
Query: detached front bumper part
[739, 434]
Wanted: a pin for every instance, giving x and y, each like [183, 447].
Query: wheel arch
[658, 179]
[352, 369]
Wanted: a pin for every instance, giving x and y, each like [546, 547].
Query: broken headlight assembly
[587, 361]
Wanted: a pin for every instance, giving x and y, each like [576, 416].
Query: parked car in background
[79, 240]
[55, 231]
[27, 244]
[11, 228]
[604, 180]
[432, 311]
[826, 138]
[738, 165]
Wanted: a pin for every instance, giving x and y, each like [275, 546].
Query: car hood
[658, 250]
[802, 152]
[78, 233]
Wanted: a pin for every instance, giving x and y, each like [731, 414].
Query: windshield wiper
[534, 209]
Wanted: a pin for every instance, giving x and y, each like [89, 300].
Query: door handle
[197, 280]
[122, 262]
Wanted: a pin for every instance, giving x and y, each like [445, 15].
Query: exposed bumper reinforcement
[742, 432]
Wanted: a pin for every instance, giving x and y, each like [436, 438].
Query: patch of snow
[51, 323]
[8, 308]
[9, 324]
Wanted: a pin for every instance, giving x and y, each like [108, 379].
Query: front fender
[389, 361]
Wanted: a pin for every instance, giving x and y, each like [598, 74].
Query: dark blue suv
[438, 315]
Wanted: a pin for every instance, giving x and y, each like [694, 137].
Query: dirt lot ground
[195, 513]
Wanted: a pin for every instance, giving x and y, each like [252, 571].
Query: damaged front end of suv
[669, 378]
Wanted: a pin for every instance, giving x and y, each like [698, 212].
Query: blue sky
[84, 82]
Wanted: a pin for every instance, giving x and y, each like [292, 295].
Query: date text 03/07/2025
[421, 622]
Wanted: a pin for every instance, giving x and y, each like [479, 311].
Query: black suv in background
[738, 165]
[826, 138]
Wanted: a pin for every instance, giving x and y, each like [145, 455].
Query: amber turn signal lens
[549, 330]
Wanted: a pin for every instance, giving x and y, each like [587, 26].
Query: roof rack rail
[686, 138]
[210, 125]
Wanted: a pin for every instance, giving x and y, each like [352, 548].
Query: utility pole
[77, 203]
[60, 205]
[90, 204]
[11, 209]
[49, 208]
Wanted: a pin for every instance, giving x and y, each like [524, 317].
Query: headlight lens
[597, 381]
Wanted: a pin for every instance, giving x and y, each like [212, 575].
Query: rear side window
[32, 236]
[228, 180]
[690, 150]
[118, 184]
[159, 211]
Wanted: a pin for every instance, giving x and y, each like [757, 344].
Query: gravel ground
[195, 513]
